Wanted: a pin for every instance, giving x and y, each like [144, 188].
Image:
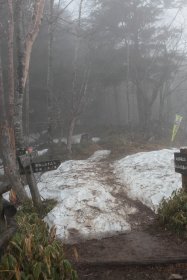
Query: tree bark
[11, 62]
[24, 55]
[27, 115]
[70, 134]
[127, 85]
[6, 120]
[117, 109]
[24, 49]
[77, 94]
[49, 74]
[18, 121]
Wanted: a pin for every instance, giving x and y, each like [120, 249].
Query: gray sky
[179, 18]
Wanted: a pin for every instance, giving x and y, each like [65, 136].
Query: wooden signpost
[28, 166]
[27, 160]
[45, 165]
[180, 160]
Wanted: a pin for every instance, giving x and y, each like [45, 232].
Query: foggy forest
[93, 157]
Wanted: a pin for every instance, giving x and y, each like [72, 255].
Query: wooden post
[2, 224]
[28, 167]
[25, 161]
[33, 187]
[184, 177]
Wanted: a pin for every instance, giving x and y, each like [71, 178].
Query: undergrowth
[172, 213]
[34, 253]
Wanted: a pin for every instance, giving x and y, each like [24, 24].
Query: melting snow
[149, 176]
[76, 139]
[86, 208]
[42, 152]
[95, 139]
[86, 205]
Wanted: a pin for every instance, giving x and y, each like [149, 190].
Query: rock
[84, 138]
[175, 277]
[9, 209]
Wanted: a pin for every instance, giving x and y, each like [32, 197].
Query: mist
[93, 112]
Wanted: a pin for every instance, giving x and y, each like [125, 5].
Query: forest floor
[144, 253]
[127, 256]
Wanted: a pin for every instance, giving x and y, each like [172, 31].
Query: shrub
[34, 253]
[172, 214]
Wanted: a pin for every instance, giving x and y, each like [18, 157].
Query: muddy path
[143, 215]
[145, 243]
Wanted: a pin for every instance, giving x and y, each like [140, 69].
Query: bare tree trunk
[24, 54]
[141, 108]
[117, 110]
[24, 49]
[10, 166]
[78, 94]
[128, 105]
[7, 132]
[70, 134]
[11, 62]
[127, 86]
[8, 146]
[18, 121]
[49, 74]
[27, 108]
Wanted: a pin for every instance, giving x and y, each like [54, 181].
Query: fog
[105, 64]
[113, 92]
[93, 111]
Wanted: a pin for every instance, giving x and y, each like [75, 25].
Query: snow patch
[149, 176]
[42, 152]
[86, 208]
[55, 141]
[95, 139]
[76, 139]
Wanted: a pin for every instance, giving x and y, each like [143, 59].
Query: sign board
[180, 163]
[26, 159]
[45, 165]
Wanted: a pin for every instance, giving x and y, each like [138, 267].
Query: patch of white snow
[86, 209]
[42, 152]
[95, 139]
[149, 176]
[56, 141]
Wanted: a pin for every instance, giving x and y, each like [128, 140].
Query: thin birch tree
[79, 89]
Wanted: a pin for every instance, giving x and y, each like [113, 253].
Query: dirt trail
[144, 215]
[146, 242]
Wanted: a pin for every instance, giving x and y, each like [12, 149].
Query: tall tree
[7, 112]
[135, 28]
[24, 49]
[79, 83]
[9, 140]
